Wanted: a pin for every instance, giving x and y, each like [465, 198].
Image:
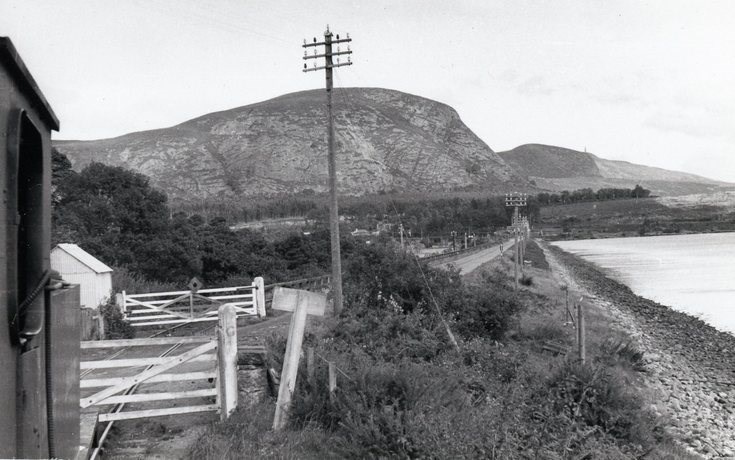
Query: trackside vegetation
[404, 392]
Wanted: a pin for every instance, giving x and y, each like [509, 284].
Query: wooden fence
[161, 308]
[218, 355]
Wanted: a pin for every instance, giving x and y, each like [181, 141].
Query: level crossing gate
[194, 305]
[216, 372]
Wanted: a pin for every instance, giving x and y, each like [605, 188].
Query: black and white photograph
[349, 229]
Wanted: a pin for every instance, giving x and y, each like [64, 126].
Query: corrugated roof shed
[84, 257]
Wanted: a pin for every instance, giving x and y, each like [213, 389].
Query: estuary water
[690, 273]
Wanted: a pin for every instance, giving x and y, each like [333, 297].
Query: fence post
[259, 296]
[332, 382]
[580, 333]
[290, 363]
[227, 360]
[515, 260]
[100, 324]
[310, 365]
[123, 305]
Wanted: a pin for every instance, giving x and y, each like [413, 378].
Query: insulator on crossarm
[337, 36]
[348, 36]
[337, 59]
[304, 53]
[314, 39]
[304, 66]
[349, 59]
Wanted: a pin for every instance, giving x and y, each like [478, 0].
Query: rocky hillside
[385, 140]
[556, 168]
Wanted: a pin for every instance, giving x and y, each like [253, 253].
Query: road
[470, 262]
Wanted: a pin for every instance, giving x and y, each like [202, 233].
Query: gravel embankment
[691, 365]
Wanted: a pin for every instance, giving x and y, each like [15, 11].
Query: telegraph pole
[333, 209]
[516, 201]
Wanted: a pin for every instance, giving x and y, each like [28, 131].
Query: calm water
[691, 273]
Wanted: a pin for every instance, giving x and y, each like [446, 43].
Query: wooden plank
[182, 377]
[196, 320]
[127, 415]
[124, 343]
[286, 299]
[159, 308]
[232, 296]
[145, 397]
[139, 362]
[145, 375]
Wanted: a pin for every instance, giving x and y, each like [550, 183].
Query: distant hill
[557, 168]
[385, 140]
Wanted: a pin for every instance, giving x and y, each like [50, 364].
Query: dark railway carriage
[39, 335]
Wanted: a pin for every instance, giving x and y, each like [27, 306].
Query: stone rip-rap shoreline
[690, 365]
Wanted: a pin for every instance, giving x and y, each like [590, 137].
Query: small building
[77, 266]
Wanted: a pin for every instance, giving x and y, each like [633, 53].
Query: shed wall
[93, 288]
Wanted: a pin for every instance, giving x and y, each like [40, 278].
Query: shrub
[487, 311]
[526, 280]
[115, 325]
[599, 397]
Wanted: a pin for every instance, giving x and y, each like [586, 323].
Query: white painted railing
[161, 308]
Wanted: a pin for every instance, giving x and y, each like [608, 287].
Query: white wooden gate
[195, 305]
[217, 373]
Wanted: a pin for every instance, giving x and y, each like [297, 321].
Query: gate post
[227, 360]
[259, 296]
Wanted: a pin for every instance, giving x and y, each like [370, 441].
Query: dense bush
[115, 326]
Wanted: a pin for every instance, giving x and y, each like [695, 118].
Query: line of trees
[117, 216]
[587, 194]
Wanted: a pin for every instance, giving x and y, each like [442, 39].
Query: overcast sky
[652, 82]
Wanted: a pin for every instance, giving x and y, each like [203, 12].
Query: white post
[123, 306]
[227, 360]
[259, 296]
[290, 363]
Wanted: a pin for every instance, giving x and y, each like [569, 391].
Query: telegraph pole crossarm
[328, 66]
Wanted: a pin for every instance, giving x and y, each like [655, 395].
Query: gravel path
[690, 365]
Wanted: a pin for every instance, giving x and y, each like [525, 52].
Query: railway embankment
[689, 365]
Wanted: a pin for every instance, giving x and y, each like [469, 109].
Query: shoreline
[690, 364]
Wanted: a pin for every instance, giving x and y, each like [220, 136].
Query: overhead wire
[434, 302]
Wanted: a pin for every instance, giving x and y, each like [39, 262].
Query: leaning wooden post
[332, 382]
[580, 333]
[227, 360]
[259, 296]
[290, 363]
